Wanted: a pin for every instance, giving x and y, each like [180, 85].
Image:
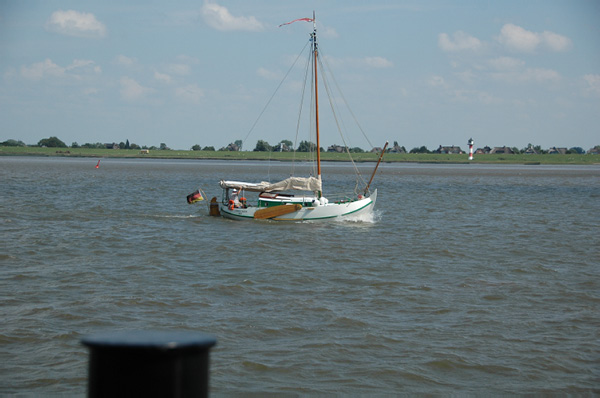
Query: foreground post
[148, 363]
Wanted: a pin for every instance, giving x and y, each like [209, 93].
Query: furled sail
[289, 184]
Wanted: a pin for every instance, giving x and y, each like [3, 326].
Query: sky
[200, 72]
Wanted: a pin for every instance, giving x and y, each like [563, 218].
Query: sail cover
[292, 183]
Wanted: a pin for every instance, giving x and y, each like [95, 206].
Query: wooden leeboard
[276, 211]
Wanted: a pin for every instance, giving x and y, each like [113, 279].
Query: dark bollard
[148, 364]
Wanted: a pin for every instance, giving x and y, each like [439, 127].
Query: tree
[262, 146]
[208, 148]
[196, 148]
[121, 145]
[422, 149]
[163, 146]
[239, 144]
[577, 149]
[52, 142]
[97, 145]
[127, 146]
[75, 145]
[134, 146]
[356, 150]
[13, 143]
[306, 146]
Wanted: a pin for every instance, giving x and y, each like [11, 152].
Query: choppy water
[468, 279]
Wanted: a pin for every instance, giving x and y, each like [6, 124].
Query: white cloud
[49, 70]
[268, 74]
[537, 75]
[475, 96]
[593, 82]
[178, 69]
[41, 70]
[366, 62]
[541, 75]
[555, 42]
[190, 93]
[378, 62]
[329, 33]
[162, 77]
[132, 90]
[74, 23]
[460, 41]
[220, 18]
[516, 38]
[437, 81]
[506, 63]
[80, 63]
[125, 61]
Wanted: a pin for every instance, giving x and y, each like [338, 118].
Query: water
[467, 279]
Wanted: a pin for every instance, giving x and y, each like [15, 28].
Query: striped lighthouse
[471, 142]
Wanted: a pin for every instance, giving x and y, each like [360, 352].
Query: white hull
[315, 213]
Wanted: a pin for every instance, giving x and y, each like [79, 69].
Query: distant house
[377, 149]
[483, 151]
[502, 150]
[112, 146]
[557, 151]
[397, 149]
[594, 151]
[449, 149]
[530, 151]
[281, 147]
[336, 148]
[232, 147]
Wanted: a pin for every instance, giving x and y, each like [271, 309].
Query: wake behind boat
[296, 198]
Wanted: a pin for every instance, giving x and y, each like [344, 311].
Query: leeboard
[276, 211]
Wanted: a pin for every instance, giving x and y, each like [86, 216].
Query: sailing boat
[296, 198]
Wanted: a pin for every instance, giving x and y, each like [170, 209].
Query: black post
[148, 363]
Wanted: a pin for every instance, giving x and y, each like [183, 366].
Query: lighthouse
[471, 142]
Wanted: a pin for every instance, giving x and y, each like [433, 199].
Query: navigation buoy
[471, 142]
[98, 165]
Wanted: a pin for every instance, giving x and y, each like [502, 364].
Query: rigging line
[277, 89]
[329, 97]
[346, 102]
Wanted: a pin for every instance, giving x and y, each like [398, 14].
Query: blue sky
[191, 72]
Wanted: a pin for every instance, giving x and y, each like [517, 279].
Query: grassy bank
[287, 156]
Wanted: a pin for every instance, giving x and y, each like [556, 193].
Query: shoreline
[525, 159]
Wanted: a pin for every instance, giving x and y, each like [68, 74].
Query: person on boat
[235, 197]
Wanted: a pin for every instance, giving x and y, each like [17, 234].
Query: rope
[332, 105]
[273, 95]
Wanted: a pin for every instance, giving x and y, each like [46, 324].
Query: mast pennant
[299, 19]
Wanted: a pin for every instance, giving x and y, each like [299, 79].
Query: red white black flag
[299, 19]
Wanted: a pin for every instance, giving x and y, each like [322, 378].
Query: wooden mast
[315, 54]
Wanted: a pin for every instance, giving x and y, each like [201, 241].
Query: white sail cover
[293, 183]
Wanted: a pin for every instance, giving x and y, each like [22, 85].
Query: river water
[466, 279]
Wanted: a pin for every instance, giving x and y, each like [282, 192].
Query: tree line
[264, 146]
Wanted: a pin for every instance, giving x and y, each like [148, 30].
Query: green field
[300, 156]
